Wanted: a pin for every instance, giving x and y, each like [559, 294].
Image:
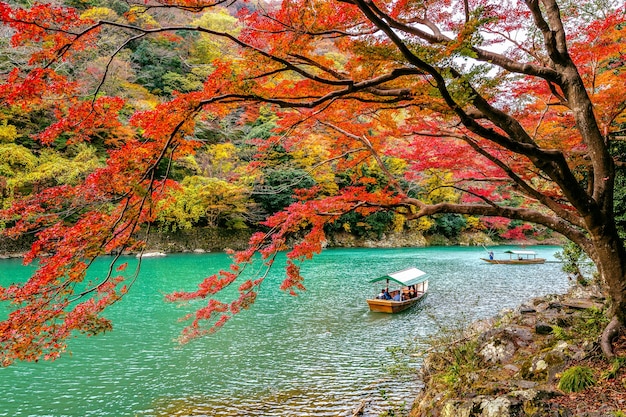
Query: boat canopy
[520, 252]
[406, 277]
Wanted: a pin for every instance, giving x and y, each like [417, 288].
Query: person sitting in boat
[412, 292]
[384, 295]
[397, 297]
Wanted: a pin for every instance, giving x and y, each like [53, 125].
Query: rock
[511, 368]
[151, 254]
[520, 335]
[582, 304]
[543, 328]
[498, 407]
[524, 384]
[457, 409]
[498, 351]
[527, 310]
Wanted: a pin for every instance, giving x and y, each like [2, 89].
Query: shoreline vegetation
[203, 240]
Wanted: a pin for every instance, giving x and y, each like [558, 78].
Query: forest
[225, 183]
[297, 120]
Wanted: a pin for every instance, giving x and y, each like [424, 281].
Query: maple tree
[515, 102]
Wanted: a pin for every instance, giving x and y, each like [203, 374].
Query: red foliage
[344, 76]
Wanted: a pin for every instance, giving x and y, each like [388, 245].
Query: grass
[576, 379]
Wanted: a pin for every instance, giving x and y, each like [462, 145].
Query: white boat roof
[406, 277]
[521, 252]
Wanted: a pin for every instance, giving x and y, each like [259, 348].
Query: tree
[517, 100]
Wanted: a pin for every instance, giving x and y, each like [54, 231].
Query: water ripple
[319, 354]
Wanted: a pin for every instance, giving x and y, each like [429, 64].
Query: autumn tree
[518, 100]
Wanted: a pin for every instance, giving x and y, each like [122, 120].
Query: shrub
[576, 379]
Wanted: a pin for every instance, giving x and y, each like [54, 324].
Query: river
[318, 354]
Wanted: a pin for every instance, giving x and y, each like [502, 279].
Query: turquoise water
[318, 354]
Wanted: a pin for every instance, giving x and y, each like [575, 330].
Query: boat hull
[390, 306]
[515, 261]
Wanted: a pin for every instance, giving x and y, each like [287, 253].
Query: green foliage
[576, 379]
[173, 81]
[449, 225]
[575, 262]
[275, 192]
[590, 324]
[618, 150]
[262, 127]
[156, 60]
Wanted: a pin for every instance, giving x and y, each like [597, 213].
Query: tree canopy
[516, 106]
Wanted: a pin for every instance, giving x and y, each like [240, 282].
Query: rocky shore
[513, 365]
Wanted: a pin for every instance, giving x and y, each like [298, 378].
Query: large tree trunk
[610, 258]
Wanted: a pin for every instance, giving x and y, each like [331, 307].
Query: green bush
[576, 379]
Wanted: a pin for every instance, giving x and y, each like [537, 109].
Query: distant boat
[516, 257]
[407, 286]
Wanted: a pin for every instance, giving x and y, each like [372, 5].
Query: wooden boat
[408, 287]
[516, 257]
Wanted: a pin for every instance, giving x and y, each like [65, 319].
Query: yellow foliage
[474, 223]
[208, 47]
[8, 133]
[223, 151]
[438, 187]
[422, 224]
[396, 166]
[15, 159]
[220, 159]
[139, 98]
[140, 17]
[22, 169]
[99, 13]
[398, 222]
[203, 198]
[326, 181]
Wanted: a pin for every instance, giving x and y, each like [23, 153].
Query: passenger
[412, 292]
[381, 296]
[387, 296]
[396, 297]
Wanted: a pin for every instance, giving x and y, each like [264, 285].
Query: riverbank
[518, 364]
[218, 240]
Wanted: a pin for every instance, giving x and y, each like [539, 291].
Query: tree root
[609, 334]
